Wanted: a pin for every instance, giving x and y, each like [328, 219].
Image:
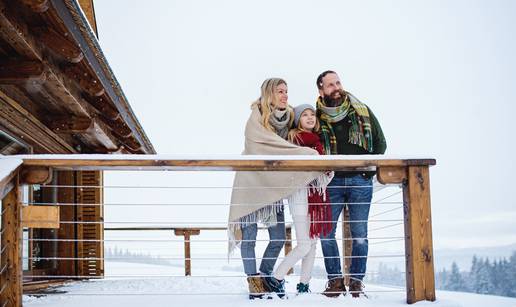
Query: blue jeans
[277, 237]
[353, 189]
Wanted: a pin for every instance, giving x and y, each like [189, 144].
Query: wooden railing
[412, 174]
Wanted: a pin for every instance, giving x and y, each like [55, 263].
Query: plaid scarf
[360, 132]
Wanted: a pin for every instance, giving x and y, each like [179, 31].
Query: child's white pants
[305, 248]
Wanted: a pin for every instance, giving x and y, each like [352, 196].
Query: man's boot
[335, 287]
[256, 287]
[356, 288]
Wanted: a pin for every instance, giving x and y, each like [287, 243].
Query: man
[348, 127]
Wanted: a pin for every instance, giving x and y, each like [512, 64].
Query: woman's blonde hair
[267, 101]
[294, 132]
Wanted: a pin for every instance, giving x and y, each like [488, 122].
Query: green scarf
[360, 132]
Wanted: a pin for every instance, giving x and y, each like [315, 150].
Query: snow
[223, 291]
[7, 165]
[215, 157]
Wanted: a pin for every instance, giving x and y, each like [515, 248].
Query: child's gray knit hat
[299, 109]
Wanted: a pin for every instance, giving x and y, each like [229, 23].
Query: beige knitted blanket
[254, 192]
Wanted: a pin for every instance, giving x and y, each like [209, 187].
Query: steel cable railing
[168, 225]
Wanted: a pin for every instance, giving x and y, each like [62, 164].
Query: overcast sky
[439, 75]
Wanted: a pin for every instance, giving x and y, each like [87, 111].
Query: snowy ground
[226, 290]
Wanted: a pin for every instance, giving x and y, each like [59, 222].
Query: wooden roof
[57, 90]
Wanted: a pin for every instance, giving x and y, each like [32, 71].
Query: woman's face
[280, 97]
[307, 120]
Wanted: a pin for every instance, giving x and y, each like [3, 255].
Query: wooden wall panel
[90, 231]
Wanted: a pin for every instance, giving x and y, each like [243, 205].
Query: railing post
[418, 235]
[347, 244]
[288, 244]
[187, 232]
[11, 249]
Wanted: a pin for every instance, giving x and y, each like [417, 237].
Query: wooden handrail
[226, 163]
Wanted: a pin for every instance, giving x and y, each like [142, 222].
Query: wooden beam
[16, 34]
[40, 217]
[12, 238]
[103, 104]
[61, 89]
[150, 162]
[131, 143]
[59, 44]
[15, 71]
[100, 135]
[35, 175]
[120, 128]
[38, 6]
[85, 80]
[391, 174]
[71, 124]
[418, 236]
[22, 123]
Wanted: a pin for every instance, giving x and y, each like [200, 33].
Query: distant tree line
[124, 255]
[496, 277]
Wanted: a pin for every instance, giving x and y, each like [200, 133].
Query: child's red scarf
[319, 206]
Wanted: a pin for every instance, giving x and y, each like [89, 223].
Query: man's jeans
[356, 192]
[277, 237]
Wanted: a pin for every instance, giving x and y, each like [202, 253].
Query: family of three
[339, 125]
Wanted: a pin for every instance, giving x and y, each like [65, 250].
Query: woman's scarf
[279, 120]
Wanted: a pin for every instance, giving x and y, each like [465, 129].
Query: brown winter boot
[256, 287]
[335, 287]
[356, 288]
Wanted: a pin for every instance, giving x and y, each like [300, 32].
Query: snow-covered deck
[224, 291]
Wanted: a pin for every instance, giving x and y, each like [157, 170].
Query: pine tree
[482, 284]
[473, 275]
[455, 282]
[511, 273]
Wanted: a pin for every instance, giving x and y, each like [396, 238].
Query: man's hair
[319, 82]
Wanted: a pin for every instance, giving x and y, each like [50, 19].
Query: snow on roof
[8, 165]
[217, 157]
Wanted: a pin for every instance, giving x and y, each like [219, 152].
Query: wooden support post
[347, 245]
[187, 232]
[288, 245]
[66, 231]
[11, 258]
[418, 236]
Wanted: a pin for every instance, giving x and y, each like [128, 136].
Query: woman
[258, 196]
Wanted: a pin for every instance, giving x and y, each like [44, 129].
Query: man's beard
[330, 101]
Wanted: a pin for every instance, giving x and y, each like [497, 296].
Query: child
[310, 210]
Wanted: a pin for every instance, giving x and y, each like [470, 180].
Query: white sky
[439, 75]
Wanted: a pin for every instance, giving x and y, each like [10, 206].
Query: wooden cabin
[58, 95]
